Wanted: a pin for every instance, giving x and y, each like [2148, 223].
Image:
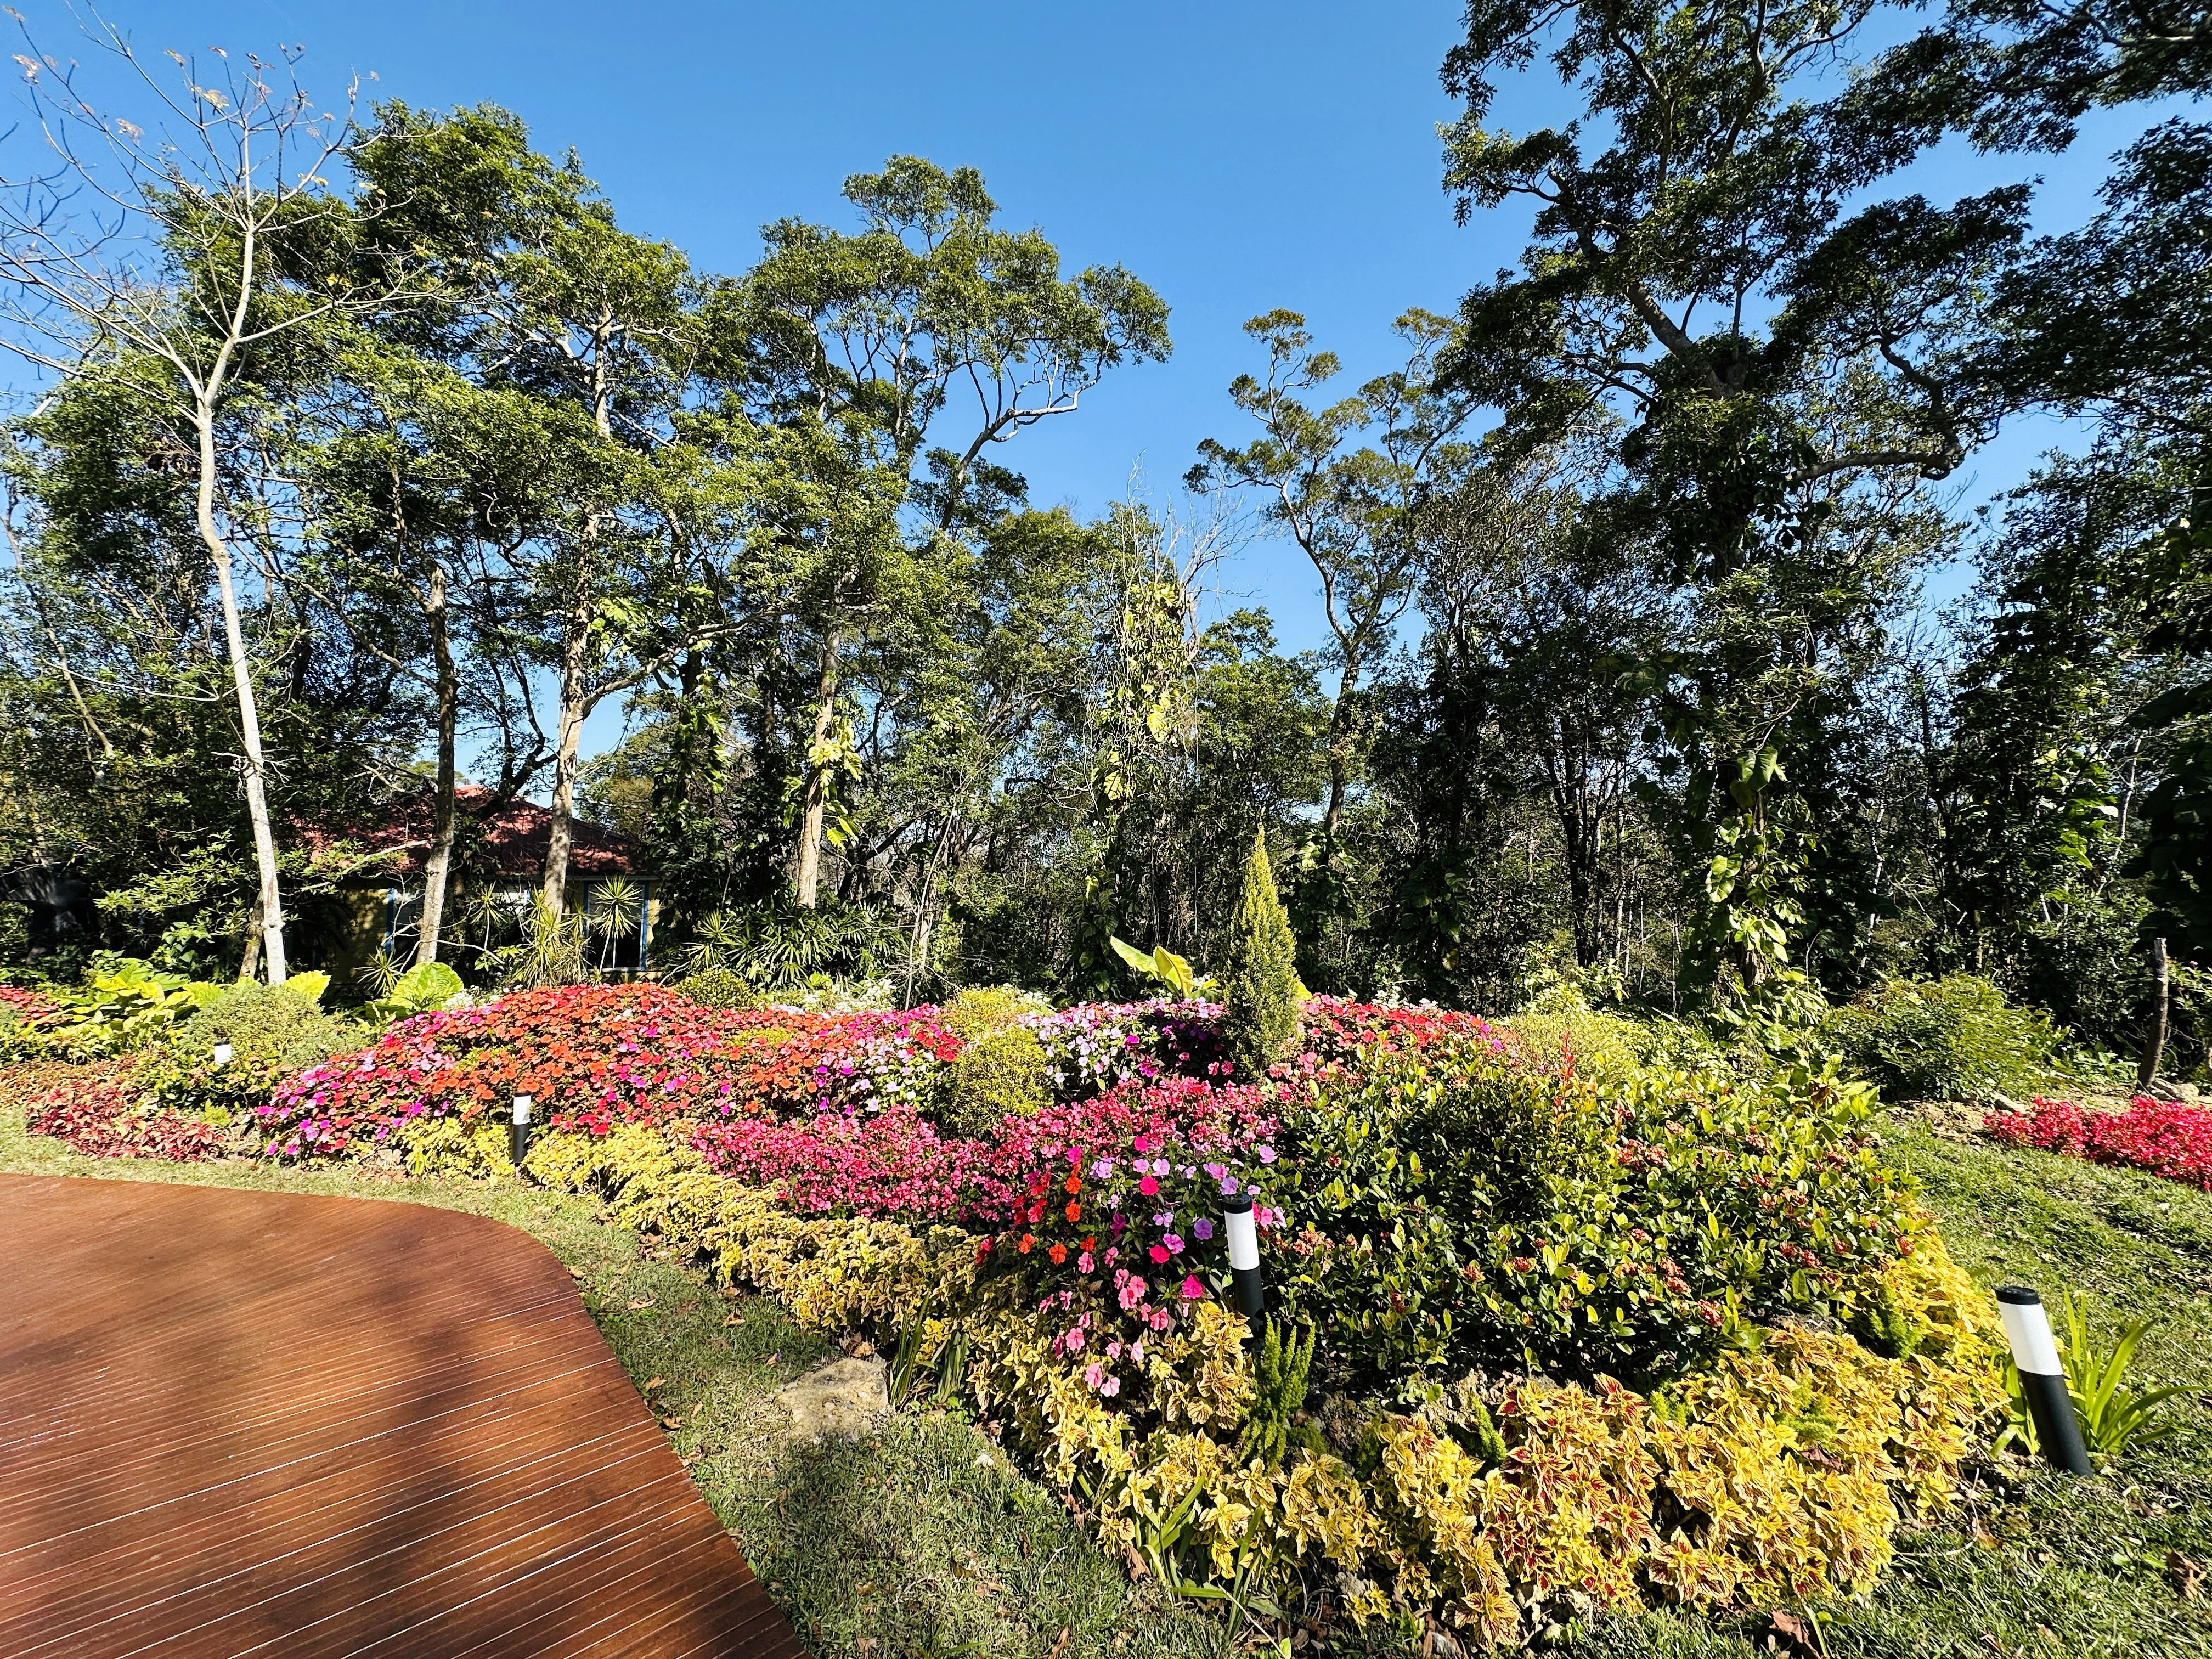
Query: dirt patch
[841, 1400]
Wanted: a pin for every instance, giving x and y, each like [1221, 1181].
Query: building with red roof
[498, 863]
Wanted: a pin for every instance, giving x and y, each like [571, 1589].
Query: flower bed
[97, 1110]
[1661, 1270]
[594, 1056]
[1776, 1473]
[2166, 1137]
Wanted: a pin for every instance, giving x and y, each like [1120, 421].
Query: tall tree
[1353, 512]
[1787, 372]
[856, 350]
[253, 255]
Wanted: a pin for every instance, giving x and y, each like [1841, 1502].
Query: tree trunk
[1340, 757]
[1580, 835]
[2160, 993]
[252, 956]
[437, 868]
[269, 905]
[807, 876]
[561, 838]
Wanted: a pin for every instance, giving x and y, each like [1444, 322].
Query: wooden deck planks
[237, 1423]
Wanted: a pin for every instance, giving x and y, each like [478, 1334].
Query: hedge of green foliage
[720, 988]
[274, 1030]
[1955, 1038]
[999, 1075]
[1590, 1216]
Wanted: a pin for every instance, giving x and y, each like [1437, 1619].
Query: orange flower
[1090, 1244]
[1074, 1183]
[1074, 1211]
[1028, 1239]
[1058, 1253]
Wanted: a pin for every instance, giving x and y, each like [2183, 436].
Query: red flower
[1058, 1253]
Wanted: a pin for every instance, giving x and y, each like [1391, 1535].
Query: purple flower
[1229, 1186]
[1266, 1153]
[1203, 1228]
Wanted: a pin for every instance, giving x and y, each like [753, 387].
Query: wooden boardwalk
[237, 1423]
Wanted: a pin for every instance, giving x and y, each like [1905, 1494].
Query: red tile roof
[507, 845]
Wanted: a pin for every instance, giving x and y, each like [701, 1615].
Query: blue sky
[1236, 157]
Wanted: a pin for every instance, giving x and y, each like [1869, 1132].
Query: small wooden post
[2160, 991]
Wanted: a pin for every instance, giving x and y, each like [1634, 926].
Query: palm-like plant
[783, 949]
[550, 952]
[612, 916]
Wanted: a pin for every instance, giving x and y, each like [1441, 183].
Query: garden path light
[518, 1134]
[2043, 1379]
[1236, 1221]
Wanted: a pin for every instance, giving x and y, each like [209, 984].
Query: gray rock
[841, 1399]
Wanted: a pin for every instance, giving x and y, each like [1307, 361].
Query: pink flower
[1192, 1289]
[1148, 1187]
[1159, 1253]
[1094, 1374]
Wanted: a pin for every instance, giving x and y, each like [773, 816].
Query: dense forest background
[362, 452]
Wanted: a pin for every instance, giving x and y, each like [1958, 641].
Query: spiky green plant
[1279, 1373]
[2114, 1418]
[1259, 978]
[550, 952]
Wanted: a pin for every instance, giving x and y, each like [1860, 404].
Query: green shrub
[1955, 1038]
[1605, 1040]
[981, 1010]
[273, 1031]
[719, 988]
[1003, 1074]
[425, 986]
[1471, 1207]
[1260, 993]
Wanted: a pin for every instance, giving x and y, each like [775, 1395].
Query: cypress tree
[1260, 985]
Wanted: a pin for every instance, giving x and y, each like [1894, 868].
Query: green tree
[849, 353]
[1353, 512]
[1259, 992]
[1781, 369]
[257, 257]
[2176, 861]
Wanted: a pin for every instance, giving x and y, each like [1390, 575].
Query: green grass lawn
[921, 1541]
